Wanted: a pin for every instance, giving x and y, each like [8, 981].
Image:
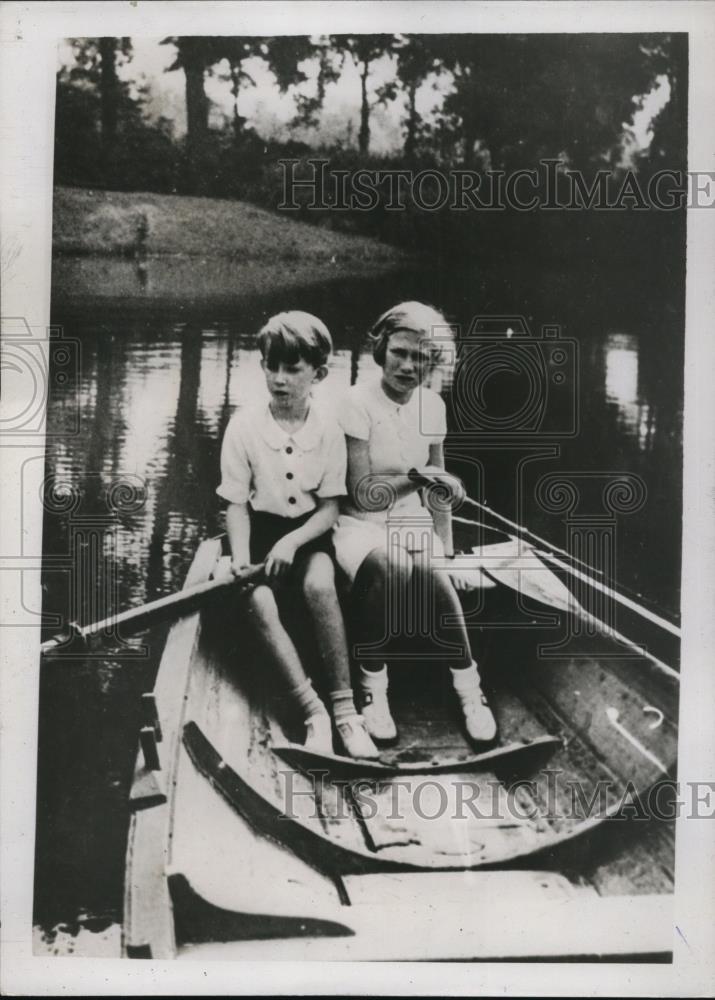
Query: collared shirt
[398, 435]
[278, 471]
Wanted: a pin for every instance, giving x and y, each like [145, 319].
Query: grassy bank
[120, 223]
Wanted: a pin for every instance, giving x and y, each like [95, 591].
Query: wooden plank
[200, 921]
[147, 928]
[610, 717]
[306, 842]
[148, 925]
[481, 928]
[233, 867]
[620, 860]
[412, 888]
[522, 755]
[444, 845]
[457, 817]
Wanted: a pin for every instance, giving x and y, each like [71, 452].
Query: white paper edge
[28, 36]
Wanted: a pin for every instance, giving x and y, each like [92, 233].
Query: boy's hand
[238, 569]
[280, 559]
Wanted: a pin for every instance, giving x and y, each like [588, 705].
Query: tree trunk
[197, 120]
[364, 133]
[109, 100]
[412, 119]
[238, 120]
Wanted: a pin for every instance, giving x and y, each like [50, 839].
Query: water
[134, 493]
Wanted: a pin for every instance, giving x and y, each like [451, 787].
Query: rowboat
[547, 846]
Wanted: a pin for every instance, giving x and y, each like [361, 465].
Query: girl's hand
[449, 489]
[280, 559]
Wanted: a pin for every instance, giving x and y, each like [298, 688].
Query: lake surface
[134, 462]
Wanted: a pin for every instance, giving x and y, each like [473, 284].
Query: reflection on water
[622, 389]
[156, 391]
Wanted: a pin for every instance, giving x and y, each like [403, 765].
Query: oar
[172, 606]
[528, 535]
[431, 479]
[551, 552]
[524, 572]
[613, 594]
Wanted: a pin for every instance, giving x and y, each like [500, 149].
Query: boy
[282, 471]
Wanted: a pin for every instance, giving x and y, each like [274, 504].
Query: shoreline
[134, 249]
[127, 224]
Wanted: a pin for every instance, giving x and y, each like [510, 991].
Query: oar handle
[173, 605]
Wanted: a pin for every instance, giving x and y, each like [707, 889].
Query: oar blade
[515, 565]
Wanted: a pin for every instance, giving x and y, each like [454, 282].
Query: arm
[463, 577]
[238, 528]
[321, 521]
[281, 556]
[235, 487]
[359, 472]
[442, 519]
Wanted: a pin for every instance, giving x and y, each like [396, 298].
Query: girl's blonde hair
[414, 317]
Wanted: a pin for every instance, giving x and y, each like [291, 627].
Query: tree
[235, 51]
[281, 53]
[200, 56]
[195, 55]
[96, 62]
[416, 59]
[309, 106]
[669, 145]
[527, 97]
[364, 50]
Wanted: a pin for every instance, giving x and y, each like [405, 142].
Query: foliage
[505, 102]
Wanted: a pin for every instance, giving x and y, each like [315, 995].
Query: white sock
[466, 679]
[343, 704]
[305, 694]
[373, 680]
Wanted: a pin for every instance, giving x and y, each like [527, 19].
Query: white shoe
[478, 717]
[355, 737]
[375, 711]
[319, 733]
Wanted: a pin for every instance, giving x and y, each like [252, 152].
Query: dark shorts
[267, 529]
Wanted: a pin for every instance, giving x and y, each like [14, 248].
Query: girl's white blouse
[398, 436]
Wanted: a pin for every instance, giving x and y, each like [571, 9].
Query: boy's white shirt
[282, 472]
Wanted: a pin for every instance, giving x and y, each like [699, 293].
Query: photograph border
[29, 33]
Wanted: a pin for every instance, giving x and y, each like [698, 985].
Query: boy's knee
[319, 580]
[262, 603]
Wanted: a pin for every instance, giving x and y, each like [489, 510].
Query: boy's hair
[415, 317]
[292, 336]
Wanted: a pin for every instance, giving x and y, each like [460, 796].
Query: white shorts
[354, 539]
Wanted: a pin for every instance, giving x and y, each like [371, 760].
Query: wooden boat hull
[232, 843]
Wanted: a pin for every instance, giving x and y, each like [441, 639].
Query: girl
[384, 537]
[282, 471]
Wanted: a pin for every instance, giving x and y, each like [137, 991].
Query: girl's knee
[400, 567]
[442, 579]
[381, 570]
